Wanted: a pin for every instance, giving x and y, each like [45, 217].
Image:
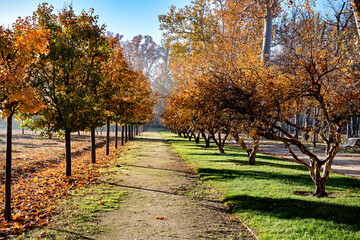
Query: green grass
[274, 196]
[79, 215]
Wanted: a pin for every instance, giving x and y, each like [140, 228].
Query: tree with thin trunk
[122, 135]
[67, 76]
[19, 48]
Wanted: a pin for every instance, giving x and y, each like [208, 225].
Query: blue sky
[126, 17]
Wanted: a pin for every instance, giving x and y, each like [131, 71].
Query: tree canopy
[227, 79]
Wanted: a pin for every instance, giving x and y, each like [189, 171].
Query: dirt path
[159, 183]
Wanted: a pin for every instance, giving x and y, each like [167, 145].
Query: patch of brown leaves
[37, 187]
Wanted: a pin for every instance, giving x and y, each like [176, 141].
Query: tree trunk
[251, 152]
[132, 132]
[197, 138]
[221, 149]
[107, 136]
[122, 135]
[320, 188]
[218, 142]
[207, 142]
[207, 139]
[265, 53]
[93, 145]
[297, 122]
[307, 123]
[129, 132]
[7, 210]
[319, 181]
[254, 150]
[126, 134]
[68, 152]
[356, 11]
[116, 135]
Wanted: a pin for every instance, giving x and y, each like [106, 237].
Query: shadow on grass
[340, 182]
[258, 162]
[229, 174]
[348, 216]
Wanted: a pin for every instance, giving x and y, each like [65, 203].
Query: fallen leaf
[41, 235]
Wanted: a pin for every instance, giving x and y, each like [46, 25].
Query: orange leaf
[288, 115]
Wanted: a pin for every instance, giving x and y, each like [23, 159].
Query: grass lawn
[274, 196]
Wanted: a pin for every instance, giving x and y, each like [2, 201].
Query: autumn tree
[313, 69]
[139, 101]
[202, 38]
[162, 82]
[142, 54]
[117, 75]
[70, 74]
[20, 48]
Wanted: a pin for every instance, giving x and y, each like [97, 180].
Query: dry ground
[160, 184]
[30, 147]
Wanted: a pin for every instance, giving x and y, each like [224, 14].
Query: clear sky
[126, 17]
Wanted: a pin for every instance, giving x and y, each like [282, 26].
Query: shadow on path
[191, 173]
[175, 193]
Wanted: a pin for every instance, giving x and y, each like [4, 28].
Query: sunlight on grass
[274, 196]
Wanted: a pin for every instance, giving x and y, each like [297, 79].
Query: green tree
[68, 77]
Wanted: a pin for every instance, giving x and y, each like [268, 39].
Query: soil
[166, 199]
[31, 147]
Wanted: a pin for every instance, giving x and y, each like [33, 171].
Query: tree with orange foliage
[313, 69]
[20, 48]
[203, 38]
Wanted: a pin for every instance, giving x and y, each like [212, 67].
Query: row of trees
[228, 83]
[62, 73]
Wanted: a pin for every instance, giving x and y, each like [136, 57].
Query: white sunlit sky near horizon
[126, 17]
